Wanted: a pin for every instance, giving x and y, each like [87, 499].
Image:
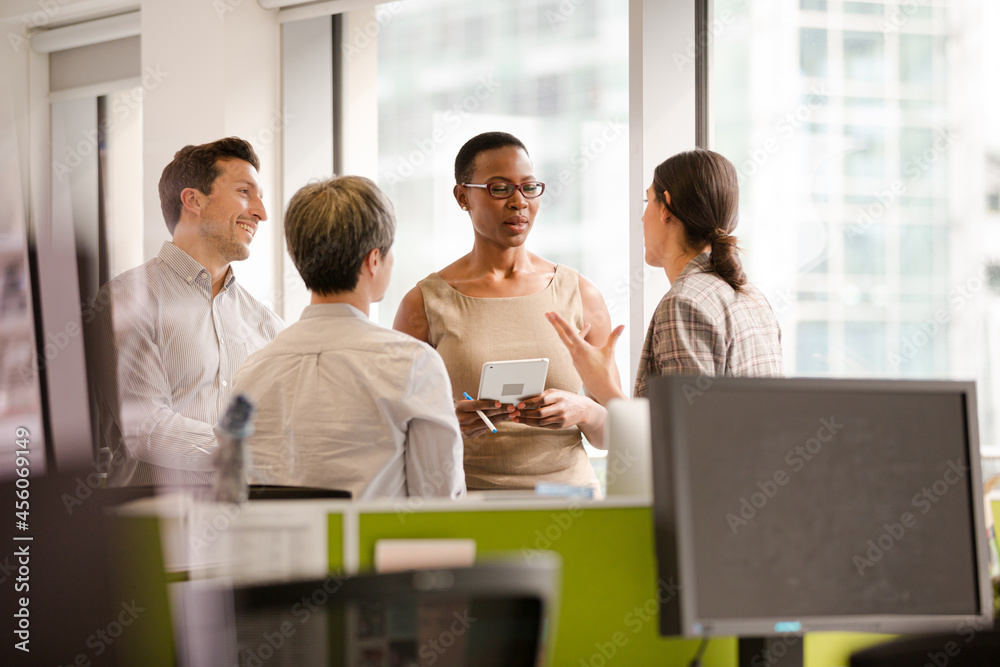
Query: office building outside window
[867, 156]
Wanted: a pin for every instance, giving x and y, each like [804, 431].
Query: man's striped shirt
[177, 351]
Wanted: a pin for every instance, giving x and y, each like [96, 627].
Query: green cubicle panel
[335, 536]
[140, 581]
[608, 611]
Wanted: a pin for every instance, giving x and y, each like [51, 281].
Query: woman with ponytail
[712, 321]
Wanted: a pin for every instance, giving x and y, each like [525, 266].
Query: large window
[866, 169]
[861, 131]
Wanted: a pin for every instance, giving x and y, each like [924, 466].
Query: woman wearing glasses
[489, 306]
[711, 321]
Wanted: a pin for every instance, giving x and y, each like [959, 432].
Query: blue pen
[486, 421]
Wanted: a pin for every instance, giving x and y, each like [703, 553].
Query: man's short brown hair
[197, 167]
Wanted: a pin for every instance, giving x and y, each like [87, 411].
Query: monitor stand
[783, 651]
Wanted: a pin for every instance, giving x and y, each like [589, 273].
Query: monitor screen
[793, 505]
[494, 613]
[435, 630]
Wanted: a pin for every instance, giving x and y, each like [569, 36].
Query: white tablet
[510, 381]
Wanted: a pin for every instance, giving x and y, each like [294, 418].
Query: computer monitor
[494, 613]
[785, 506]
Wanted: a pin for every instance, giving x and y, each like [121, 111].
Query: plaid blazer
[704, 327]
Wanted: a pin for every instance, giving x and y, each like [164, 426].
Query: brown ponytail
[704, 197]
[726, 261]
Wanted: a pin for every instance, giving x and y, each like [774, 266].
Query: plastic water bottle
[232, 460]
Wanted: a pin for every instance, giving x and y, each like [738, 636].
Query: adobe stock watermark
[780, 300]
[899, 15]
[611, 132]
[967, 631]
[796, 458]
[430, 486]
[274, 640]
[47, 10]
[56, 342]
[911, 170]
[265, 135]
[103, 637]
[544, 539]
[698, 388]
[7, 570]
[927, 330]
[223, 7]
[362, 37]
[122, 107]
[635, 620]
[212, 526]
[686, 58]
[924, 501]
[618, 464]
[623, 288]
[84, 487]
[784, 130]
[432, 650]
[453, 119]
[562, 13]
[271, 642]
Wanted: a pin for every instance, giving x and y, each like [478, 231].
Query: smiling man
[180, 326]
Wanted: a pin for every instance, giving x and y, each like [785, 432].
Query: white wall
[211, 70]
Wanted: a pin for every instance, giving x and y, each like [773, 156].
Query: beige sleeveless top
[469, 331]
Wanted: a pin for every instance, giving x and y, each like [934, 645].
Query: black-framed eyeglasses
[504, 190]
